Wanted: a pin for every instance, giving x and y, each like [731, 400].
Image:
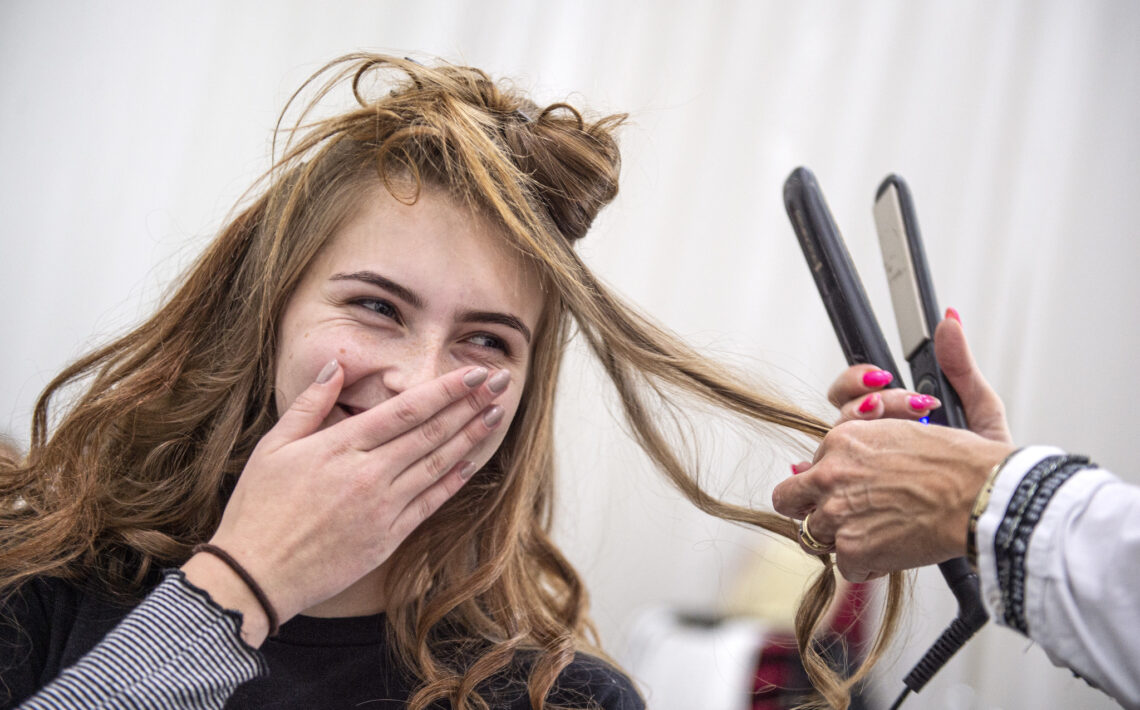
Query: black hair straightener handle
[916, 312]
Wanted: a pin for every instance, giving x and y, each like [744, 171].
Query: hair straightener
[917, 314]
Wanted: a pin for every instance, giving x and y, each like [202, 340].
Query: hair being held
[135, 468]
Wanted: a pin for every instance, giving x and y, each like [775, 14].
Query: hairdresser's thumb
[305, 415]
[983, 407]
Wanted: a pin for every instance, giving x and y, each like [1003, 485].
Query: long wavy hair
[158, 425]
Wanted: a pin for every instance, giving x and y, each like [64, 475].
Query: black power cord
[972, 616]
[899, 700]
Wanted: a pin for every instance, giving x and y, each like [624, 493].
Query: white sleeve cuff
[1004, 486]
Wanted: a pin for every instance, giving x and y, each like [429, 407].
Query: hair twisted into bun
[573, 165]
[454, 127]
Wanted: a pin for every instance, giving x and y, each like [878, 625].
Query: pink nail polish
[869, 403]
[919, 402]
[952, 313]
[795, 470]
[877, 378]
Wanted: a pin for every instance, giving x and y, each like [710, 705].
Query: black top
[313, 663]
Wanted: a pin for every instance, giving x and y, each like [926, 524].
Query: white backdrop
[129, 128]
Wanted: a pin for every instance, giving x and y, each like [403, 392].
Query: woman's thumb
[983, 407]
[305, 414]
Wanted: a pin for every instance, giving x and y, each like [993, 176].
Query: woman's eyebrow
[403, 292]
[493, 317]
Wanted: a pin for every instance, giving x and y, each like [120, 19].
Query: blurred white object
[682, 662]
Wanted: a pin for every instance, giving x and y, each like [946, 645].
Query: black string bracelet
[246, 577]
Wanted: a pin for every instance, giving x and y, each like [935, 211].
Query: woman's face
[403, 294]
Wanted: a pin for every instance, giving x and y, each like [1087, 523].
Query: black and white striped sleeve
[177, 649]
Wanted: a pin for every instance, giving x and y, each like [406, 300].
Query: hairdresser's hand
[859, 391]
[891, 494]
[316, 509]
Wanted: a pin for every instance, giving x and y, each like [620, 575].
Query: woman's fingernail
[326, 374]
[795, 470]
[499, 381]
[869, 402]
[475, 377]
[467, 469]
[919, 402]
[493, 416]
[877, 378]
[952, 313]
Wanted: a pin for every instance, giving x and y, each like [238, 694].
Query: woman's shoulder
[586, 683]
[36, 606]
[55, 602]
[595, 681]
[46, 624]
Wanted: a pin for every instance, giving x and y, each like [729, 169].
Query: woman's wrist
[981, 501]
[225, 587]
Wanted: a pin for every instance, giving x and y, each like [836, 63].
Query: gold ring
[810, 542]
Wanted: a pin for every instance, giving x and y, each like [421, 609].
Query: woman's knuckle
[448, 391]
[473, 435]
[831, 509]
[843, 433]
[778, 500]
[843, 549]
[475, 401]
[425, 508]
[436, 465]
[433, 431]
[407, 413]
[825, 476]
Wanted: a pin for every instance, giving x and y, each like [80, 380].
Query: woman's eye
[379, 307]
[486, 340]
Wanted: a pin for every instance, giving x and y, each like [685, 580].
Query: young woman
[350, 399]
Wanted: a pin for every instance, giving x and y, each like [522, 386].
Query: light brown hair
[139, 467]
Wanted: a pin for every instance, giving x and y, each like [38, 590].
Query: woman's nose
[419, 362]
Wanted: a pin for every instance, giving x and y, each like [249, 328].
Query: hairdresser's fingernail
[475, 377]
[952, 313]
[919, 402]
[795, 470]
[499, 381]
[493, 416]
[877, 378]
[327, 373]
[466, 469]
[870, 402]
